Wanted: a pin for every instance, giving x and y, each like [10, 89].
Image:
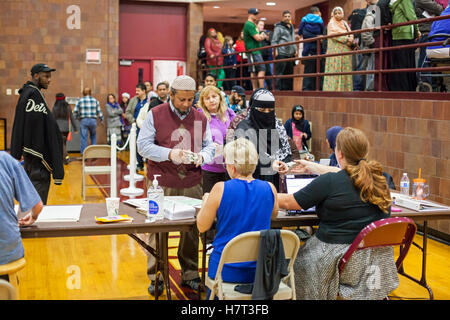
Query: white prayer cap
[184, 82]
[126, 94]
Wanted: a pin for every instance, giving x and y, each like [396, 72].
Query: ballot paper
[179, 207]
[58, 213]
[175, 207]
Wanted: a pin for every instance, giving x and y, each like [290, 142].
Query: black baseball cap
[253, 11]
[240, 91]
[41, 67]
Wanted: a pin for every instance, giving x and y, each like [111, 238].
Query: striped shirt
[88, 107]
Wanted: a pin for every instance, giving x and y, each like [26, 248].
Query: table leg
[165, 250]
[162, 259]
[157, 265]
[203, 285]
[423, 281]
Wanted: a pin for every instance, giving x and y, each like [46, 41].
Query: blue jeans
[358, 80]
[87, 126]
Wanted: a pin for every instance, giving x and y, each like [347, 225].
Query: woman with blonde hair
[338, 44]
[213, 105]
[346, 201]
[240, 205]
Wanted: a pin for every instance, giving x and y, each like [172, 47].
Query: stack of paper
[57, 213]
[405, 201]
[175, 207]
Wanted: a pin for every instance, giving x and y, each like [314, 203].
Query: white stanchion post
[132, 191]
[113, 192]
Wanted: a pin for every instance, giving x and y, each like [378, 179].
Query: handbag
[69, 135]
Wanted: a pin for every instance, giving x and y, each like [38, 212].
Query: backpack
[201, 53]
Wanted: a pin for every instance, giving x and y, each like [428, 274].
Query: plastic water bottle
[155, 197]
[404, 184]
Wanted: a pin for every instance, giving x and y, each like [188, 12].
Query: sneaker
[193, 284]
[151, 287]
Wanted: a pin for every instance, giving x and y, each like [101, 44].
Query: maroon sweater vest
[172, 132]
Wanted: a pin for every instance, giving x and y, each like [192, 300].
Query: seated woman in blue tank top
[240, 205]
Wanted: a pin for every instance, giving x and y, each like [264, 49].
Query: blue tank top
[245, 206]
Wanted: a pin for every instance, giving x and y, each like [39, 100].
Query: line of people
[376, 13]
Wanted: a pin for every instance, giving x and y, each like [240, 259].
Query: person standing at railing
[368, 42]
[213, 48]
[239, 46]
[252, 40]
[284, 32]
[266, 53]
[403, 11]
[311, 26]
[338, 44]
[229, 60]
[441, 52]
[426, 9]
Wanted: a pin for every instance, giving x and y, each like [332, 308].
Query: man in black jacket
[284, 32]
[35, 134]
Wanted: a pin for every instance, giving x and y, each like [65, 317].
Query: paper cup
[112, 206]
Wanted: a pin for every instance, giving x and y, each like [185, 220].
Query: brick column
[194, 32]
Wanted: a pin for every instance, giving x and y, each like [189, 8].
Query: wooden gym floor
[114, 267]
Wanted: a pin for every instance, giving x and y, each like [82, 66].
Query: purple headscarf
[331, 136]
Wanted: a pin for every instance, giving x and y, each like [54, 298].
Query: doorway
[132, 72]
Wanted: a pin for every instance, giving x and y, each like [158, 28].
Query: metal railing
[380, 50]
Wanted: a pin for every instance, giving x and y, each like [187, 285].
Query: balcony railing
[381, 49]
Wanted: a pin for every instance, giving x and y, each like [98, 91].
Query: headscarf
[262, 98]
[335, 26]
[331, 136]
[299, 124]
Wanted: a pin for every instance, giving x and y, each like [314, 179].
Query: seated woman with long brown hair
[346, 200]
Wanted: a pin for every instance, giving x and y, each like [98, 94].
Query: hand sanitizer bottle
[155, 197]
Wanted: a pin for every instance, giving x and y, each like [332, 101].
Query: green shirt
[338, 204]
[249, 31]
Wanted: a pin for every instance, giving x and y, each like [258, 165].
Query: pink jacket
[213, 47]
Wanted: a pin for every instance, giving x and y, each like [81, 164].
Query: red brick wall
[405, 135]
[36, 31]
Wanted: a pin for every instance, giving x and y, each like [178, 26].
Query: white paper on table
[60, 213]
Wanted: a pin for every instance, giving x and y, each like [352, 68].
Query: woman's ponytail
[366, 175]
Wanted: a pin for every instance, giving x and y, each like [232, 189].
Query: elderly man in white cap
[177, 140]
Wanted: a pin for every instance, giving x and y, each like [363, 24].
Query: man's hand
[32, 216]
[176, 156]
[280, 167]
[199, 160]
[419, 34]
[27, 220]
